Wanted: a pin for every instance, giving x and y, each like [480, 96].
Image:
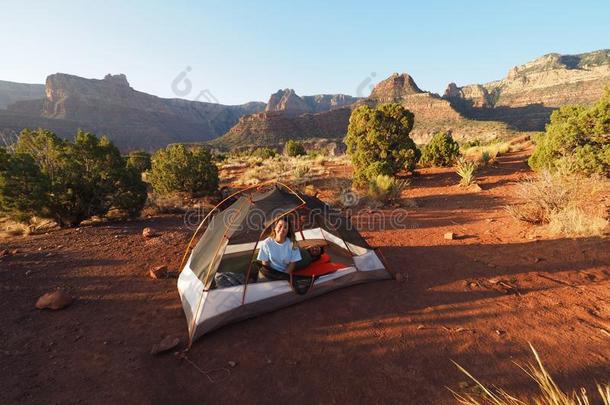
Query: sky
[233, 52]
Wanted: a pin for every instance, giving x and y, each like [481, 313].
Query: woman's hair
[289, 234]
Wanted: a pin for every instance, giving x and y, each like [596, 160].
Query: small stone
[39, 249]
[449, 236]
[463, 384]
[475, 188]
[27, 273]
[158, 272]
[269, 361]
[399, 277]
[232, 363]
[54, 300]
[538, 259]
[148, 232]
[4, 252]
[420, 327]
[15, 251]
[500, 332]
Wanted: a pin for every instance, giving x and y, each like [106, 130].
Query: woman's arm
[291, 267]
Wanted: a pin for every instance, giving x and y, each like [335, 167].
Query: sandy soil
[477, 300]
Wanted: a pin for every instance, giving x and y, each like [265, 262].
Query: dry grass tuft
[386, 189]
[569, 204]
[297, 170]
[169, 204]
[550, 392]
[493, 150]
[12, 229]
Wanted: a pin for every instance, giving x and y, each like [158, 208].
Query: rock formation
[530, 92]
[289, 116]
[523, 100]
[290, 104]
[13, 92]
[132, 119]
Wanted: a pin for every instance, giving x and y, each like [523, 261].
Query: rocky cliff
[289, 116]
[13, 92]
[530, 92]
[132, 119]
[273, 128]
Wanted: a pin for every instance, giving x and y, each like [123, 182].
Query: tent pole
[186, 252]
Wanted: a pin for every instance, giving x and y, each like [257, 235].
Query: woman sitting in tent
[279, 252]
[281, 258]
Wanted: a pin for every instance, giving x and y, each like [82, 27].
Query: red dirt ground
[477, 300]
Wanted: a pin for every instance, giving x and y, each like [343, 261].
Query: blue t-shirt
[279, 255]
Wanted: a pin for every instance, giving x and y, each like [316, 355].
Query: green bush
[441, 151]
[73, 181]
[139, 160]
[378, 142]
[577, 140]
[294, 148]
[23, 187]
[263, 153]
[178, 169]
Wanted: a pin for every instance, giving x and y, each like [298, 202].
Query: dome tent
[229, 244]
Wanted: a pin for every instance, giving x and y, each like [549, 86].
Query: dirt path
[478, 300]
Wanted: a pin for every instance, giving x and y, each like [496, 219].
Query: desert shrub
[568, 203]
[550, 392]
[84, 178]
[177, 169]
[263, 153]
[486, 158]
[441, 151]
[493, 148]
[378, 142]
[294, 148]
[301, 172]
[386, 189]
[139, 161]
[466, 170]
[471, 143]
[575, 221]
[577, 140]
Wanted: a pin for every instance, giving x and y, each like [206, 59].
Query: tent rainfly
[229, 244]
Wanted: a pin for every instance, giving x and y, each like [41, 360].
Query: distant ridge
[132, 119]
[522, 101]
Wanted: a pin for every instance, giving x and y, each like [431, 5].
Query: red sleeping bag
[320, 267]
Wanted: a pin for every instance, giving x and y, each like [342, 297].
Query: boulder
[449, 236]
[54, 300]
